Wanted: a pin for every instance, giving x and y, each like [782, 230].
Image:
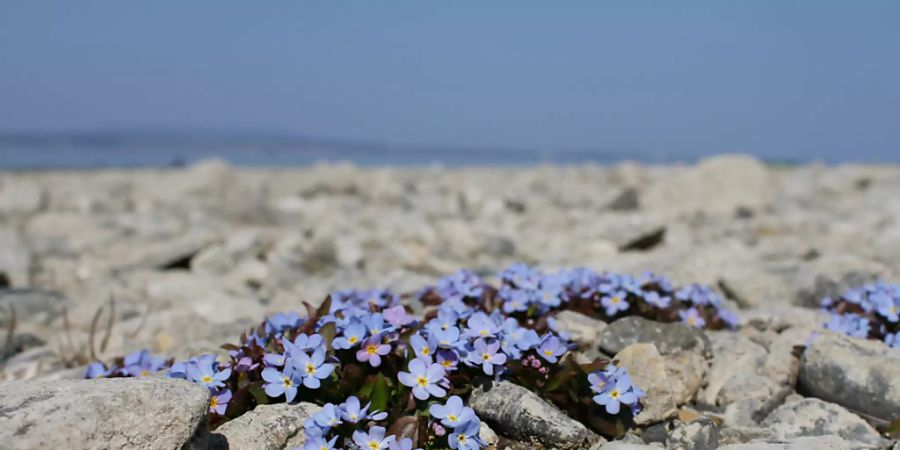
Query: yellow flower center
[422, 381]
[452, 417]
[426, 351]
[310, 369]
[615, 300]
[287, 382]
[371, 349]
[446, 363]
[614, 394]
[146, 373]
[213, 402]
[483, 332]
[486, 356]
[206, 379]
[353, 339]
[692, 320]
[461, 438]
[548, 352]
[601, 384]
[445, 342]
[374, 445]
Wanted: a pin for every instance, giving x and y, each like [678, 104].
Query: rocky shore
[102, 263]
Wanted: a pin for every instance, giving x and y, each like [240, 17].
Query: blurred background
[106, 83]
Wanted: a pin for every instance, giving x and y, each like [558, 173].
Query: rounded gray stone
[859, 374]
[268, 427]
[667, 337]
[514, 411]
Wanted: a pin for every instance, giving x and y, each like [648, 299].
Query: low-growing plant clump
[388, 380]
[531, 295]
[869, 312]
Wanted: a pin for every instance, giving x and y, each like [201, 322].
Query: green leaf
[256, 390]
[606, 425]
[243, 380]
[570, 371]
[240, 403]
[328, 331]
[380, 394]
[349, 380]
[893, 430]
[365, 392]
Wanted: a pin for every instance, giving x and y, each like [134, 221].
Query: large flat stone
[803, 443]
[814, 417]
[136, 413]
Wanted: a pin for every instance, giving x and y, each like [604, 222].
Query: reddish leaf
[324, 309]
[595, 365]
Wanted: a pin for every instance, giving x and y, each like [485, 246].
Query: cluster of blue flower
[138, 364]
[481, 340]
[613, 388]
[526, 290]
[301, 363]
[871, 311]
[460, 333]
[368, 339]
[205, 370]
[453, 419]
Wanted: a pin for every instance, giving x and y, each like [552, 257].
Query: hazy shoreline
[521, 166]
[40, 150]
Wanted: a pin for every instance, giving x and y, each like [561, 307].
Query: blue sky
[791, 79]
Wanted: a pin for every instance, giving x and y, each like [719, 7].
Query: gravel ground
[191, 257]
